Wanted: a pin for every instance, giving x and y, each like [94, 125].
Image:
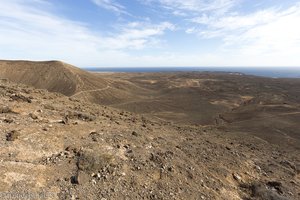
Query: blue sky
[152, 33]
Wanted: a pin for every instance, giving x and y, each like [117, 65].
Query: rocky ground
[57, 147]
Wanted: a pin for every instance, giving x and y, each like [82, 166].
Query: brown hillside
[54, 76]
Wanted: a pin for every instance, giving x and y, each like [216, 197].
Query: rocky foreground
[56, 147]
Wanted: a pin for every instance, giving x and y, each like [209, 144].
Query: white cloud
[278, 38]
[137, 35]
[235, 22]
[268, 36]
[264, 31]
[184, 7]
[29, 31]
[111, 5]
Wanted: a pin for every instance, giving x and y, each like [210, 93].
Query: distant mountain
[273, 72]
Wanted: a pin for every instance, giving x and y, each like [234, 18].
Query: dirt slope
[54, 76]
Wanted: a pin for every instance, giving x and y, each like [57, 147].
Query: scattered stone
[276, 185]
[134, 133]
[288, 164]
[9, 121]
[81, 116]
[260, 191]
[89, 160]
[12, 136]
[257, 168]
[237, 177]
[19, 97]
[59, 121]
[94, 133]
[49, 107]
[74, 179]
[82, 178]
[65, 119]
[98, 175]
[170, 169]
[5, 109]
[68, 148]
[33, 116]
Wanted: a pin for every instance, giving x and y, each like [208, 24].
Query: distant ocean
[276, 72]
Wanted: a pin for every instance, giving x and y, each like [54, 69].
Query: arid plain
[176, 135]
